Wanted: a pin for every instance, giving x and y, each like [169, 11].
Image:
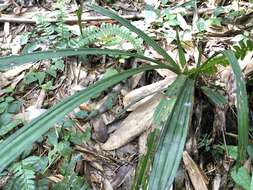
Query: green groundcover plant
[172, 137]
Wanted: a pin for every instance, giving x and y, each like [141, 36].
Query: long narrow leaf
[172, 140]
[216, 98]
[142, 170]
[251, 185]
[161, 114]
[16, 60]
[131, 27]
[14, 145]
[242, 107]
[181, 53]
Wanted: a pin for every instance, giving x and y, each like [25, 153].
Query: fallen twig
[69, 20]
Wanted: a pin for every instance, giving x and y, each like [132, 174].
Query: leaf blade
[16, 60]
[216, 98]
[182, 59]
[242, 107]
[162, 111]
[171, 144]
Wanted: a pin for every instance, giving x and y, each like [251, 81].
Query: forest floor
[104, 138]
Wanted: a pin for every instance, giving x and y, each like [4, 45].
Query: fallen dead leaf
[198, 180]
[86, 107]
[121, 175]
[4, 81]
[107, 185]
[136, 94]
[137, 122]
[16, 71]
[57, 178]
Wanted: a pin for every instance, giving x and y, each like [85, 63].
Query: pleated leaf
[16, 60]
[242, 107]
[143, 167]
[15, 144]
[172, 140]
[161, 114]
[139, 32]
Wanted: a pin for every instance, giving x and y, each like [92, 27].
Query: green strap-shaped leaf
[16, 60]
[142, 170]
[161, 114]
[216, 98]
[15, 144]
[131, 27]
[242, 107]
[182, 59]
[251, 185]
[172, 140]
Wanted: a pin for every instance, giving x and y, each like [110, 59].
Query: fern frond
[24, 174]
[93, 34]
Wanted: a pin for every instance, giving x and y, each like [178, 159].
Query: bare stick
[69, 20]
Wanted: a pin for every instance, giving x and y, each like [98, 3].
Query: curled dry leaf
[197, 177]
[137, 122]
[147, 90]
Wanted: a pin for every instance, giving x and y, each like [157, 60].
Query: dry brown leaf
[137, 122]
[16, 71]
[247, 63]
[100, 132]
[123, 172]
[107, 185]
[3, 81]
[197, 177]
[136, 94]
[143, 143]
[86, 107]
[216, 182]
[57, 178]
